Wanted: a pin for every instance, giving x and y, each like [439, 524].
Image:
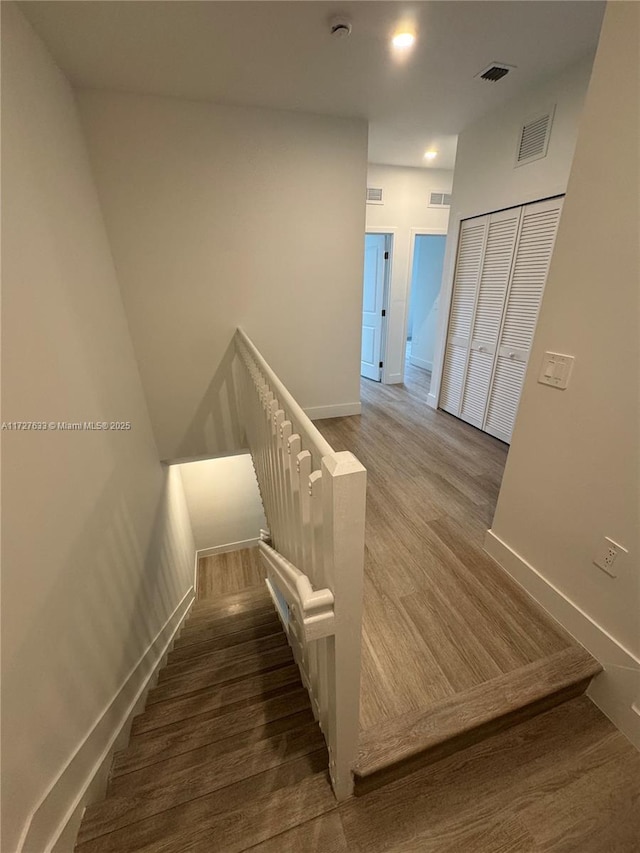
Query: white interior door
[375, 258]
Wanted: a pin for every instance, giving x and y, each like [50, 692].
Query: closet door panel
[505, 396]
[530, 268]
[465, 286]
[494, 279]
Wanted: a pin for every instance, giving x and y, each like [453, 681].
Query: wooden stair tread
[216, 699]
[224, 641]
[237, 817]
[197, 621]
[223, 627]
[152, 790]
[204, 678]
[231, 602]
[222, 657]
[203, 621]
[402, 738]
[186, 735]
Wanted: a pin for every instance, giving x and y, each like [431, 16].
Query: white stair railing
[314, 501]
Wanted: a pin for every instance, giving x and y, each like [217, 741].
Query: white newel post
[344, 496]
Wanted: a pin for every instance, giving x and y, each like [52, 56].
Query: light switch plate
[556, 370]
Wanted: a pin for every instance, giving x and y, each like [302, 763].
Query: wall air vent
[494, 72]
[533, 138]
[374, 195]
[440, 200]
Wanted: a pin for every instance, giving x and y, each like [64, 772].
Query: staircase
[227, 753]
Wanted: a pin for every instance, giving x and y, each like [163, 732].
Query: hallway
[440, 618]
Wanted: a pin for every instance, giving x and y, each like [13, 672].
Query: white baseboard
[340, 410]
[225, 549]
[432, 400]
[420, 362]
[54, 822]
[616, 689]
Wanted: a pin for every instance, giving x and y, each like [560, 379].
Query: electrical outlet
[608, 555]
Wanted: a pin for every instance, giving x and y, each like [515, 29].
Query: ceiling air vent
[440, 200]
[374, 195]
[494, 72]
[533, 139]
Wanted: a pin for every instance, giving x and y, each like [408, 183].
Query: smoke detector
[340, 27]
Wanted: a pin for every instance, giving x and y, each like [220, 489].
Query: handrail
[313, 609]
[295, 412]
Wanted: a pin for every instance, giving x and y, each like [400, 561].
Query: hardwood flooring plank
[204, 678]
[599, 810]
[549, 636]
[151, 791]
[202, 704]
[323, 834]
[497, 835]
[464, 663]
[187, 735]
[221, 574]
[244, 813]
[470, 613]
[404, 663]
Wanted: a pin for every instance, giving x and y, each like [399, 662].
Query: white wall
[223, 499]
[405, 211]
[97, 550]
[572, 476]
[426, 279]
[485, 178]
[225, 216]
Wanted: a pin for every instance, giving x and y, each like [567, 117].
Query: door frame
[413, 233]
[390, 238]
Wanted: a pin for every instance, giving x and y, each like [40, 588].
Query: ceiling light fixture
[402, 41]
[430, 155]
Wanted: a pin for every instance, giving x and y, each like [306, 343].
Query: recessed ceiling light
[430, 155]
[403, 40]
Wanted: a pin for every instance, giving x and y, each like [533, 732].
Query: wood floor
[227, 758]
[439, 617]
[221, 574]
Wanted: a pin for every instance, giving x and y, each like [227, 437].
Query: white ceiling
[280, 55]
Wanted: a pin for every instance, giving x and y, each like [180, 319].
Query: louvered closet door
[465, 287]
[530, 268]
[492, 290]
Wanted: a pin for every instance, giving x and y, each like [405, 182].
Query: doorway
[424, 300]
[377, 262]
